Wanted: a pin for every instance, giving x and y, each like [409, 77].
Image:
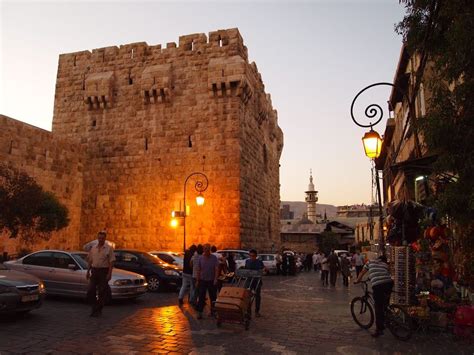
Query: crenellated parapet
[229, 41]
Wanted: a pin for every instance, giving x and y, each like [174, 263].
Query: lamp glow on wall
[372, 144]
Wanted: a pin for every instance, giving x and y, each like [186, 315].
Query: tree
[441, 31]
[27, 210]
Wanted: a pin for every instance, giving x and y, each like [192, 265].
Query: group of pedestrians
[330, 264]
[204, 271]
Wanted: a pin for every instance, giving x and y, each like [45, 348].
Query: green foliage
[329, 241]
[444, 31]
[27, 209]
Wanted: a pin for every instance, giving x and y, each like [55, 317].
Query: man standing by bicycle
[382, 284]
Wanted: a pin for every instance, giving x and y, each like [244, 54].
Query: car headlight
[171, 273]
[41, 287]
[7, 289]
[124, 282]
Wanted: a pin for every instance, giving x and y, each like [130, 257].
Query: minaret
[311, 199]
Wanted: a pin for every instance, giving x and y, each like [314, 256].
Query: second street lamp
[372, 144]
[372, 148]
[200, 185]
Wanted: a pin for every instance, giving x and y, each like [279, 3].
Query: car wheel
[154, 283]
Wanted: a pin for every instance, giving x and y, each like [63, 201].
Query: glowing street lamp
[179, 217]
[200, 199]
[372, 144]
[174, 223]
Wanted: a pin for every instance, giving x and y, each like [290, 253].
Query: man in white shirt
[358, 262]
[101, 259]
[316, 261]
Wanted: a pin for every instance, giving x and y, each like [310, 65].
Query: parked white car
[269, 260]
[239, 256]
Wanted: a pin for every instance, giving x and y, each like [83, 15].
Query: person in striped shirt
[382, 284]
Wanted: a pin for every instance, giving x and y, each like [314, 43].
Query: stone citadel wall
[149, 116]
[146, 117]
[55, 164]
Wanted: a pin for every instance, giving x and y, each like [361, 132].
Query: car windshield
[151, 258]
[81, 259]
[3, 267]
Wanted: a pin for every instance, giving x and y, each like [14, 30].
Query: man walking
[345, 270]
[187, 275]
[358, 261]
[101, 259]
[208, 271]
[256, 264]
[334, 266]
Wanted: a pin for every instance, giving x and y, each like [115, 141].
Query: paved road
[299, 316]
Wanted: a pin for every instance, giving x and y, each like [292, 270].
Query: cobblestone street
[298, 316]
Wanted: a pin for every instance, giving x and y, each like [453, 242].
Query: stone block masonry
[146, 117]
[55, 164]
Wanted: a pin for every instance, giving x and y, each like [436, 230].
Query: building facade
[146, 117]
[405, 160]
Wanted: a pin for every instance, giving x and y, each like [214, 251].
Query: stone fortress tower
[148, 116]
[311, 199]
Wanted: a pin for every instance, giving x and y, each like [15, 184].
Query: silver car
[64, 273]
[19, 292]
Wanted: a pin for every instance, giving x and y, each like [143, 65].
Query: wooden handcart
[234, 303]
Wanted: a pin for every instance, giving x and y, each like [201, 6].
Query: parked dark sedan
[19, 292]
[157, 272]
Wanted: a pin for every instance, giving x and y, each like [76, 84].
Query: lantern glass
[174, 223]
[372, 144]
[200, 199]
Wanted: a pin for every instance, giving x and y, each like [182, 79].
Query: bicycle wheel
[399, 322]
[362, 312]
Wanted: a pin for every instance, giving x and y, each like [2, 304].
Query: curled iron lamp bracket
[372, 111]
[201, 182]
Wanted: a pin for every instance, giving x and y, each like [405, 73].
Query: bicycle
[397, 319]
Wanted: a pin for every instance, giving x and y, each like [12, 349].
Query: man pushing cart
[234, 304]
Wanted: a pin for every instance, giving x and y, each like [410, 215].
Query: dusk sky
[314, 56]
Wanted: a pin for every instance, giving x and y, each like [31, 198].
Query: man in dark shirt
[188, 283]
[256, 264]
[334, 266]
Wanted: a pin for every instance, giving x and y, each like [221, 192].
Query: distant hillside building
[357, 211]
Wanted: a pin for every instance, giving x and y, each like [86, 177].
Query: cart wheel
[247, 324]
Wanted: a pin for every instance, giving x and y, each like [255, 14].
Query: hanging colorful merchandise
[403, 222]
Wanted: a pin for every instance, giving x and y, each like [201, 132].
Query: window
[166, 258]
[63, 260]
[129, 258]
[40, 259]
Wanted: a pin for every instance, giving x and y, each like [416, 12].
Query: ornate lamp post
[373, 146]
[200, 186]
